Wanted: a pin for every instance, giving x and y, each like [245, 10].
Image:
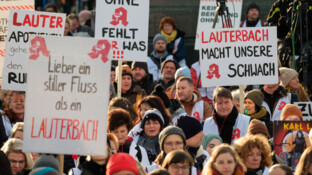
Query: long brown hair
[304, 163]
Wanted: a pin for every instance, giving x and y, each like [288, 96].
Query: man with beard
[142, 77]
[168, 69]
[158, 56]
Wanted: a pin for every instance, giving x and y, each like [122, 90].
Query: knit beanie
[169, 130]
[252, 5]
[167, 61]
[44, 171]
[142, 65]
[153, 114]
[47, 161]
[125, 71]
[287, 74]
[190, 126]
[256, 96]
[289, 110]
[208, 138]
[158, 37]
[119, 162]
[257, 127]
[183, 71]
[159, 91]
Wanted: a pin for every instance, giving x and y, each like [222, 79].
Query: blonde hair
[15, 145]
[140, 168]
[19, 126]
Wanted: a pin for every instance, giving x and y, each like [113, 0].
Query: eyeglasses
[22, 162]
[173, 143]
[184, 168]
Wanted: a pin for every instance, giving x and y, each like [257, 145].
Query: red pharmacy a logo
[38, 45]
[120, 16]
[213, 71]
[102, 47]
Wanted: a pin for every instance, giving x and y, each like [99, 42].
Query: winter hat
[289, 110]
[125, 71]
[287, 74]
[256, 96]
[167, 61]
[169, 130]
[5, 167]
[47, 161]
[190, 126]
[252, 5]
[207, 139]
[183, 71]
[158, 37]
[119, 162]
[159, 91]
[44, 171]
[142, 65]
[257, 127]
[153, 114]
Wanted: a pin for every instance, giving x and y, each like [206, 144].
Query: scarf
[170, 37]
[226, 125]
[149, 145]
[260, 114]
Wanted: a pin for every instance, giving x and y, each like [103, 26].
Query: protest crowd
[167, 123]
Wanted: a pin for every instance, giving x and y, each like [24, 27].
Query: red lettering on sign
[213, 71]
[120, 16]
[38, 20]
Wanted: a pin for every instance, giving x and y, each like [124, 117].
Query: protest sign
[126, 23]
[22, 24]
[240, 56]
[207, 12]
[306, 109]
[291, 138]
[67, 95]
[5, 7]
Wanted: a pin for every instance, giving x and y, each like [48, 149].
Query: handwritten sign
[22, 24]
[306, 109]
[126, 23]
[240, 56]
[67, 95]
[207, 12]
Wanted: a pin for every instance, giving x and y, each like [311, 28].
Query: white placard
[67, 95]
[239, 56]
[306, 109]
[5, 7]
[126, 23]
[21, 25]
[207, 12]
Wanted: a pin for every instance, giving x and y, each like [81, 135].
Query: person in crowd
[205, 92]
[280, 169]
[142, 77]
[20, 162]
[77, 29]
[13, 112]
[146, 104]
[275, 98]
[46, 160]
[226, 121]
[253, 107]
[252, 20]
[290, 81]
[291, 113]
[224, 161]
[67, 31]
[178, 162]
[236, 99]
[159, 92]
[258, 127]
[5, 96]
[191, 100]
[129, 89]
[159, 171]
[112, 74]
[85, 17]
[152, 124]
[181, 72]
[122, 163]
[175, 39]
[50, 7]
[193, 131]
[5, 168]
[119, 124]
[17, 131]
[210, 142]
[304, 167]
[168, 69]
[158, 56]
[255, 152]
[123, 103]
[113, 141]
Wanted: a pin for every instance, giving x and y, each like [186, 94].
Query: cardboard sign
[291, 138]
[207, 12]
[5, 7]
[240, 56]
[126, 23]
[306, 109]
[22, 24]
[67, 95]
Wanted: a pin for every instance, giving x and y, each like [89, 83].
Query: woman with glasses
[178, 162]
